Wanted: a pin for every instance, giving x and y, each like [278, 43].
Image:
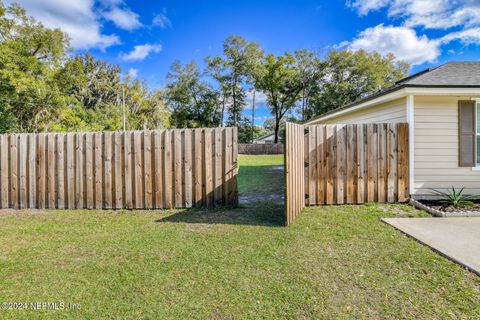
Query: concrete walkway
[456, 238]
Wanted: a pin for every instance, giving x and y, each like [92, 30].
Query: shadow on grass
[255, 214]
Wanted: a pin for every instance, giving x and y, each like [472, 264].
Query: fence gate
[339, 164]
[294, 171]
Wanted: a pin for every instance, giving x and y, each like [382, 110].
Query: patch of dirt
[16, 212]
[441, 206]
[276, 168]
[397, 210]
[253, 197]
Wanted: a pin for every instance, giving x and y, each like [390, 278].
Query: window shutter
[466, 133]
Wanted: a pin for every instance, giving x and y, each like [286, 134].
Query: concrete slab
[456, 238]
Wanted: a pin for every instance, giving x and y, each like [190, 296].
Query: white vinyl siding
[436, 147]
[388, 112]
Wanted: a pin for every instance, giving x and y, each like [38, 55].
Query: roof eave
[386, 96]
[397, 93]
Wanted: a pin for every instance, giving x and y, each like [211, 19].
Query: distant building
[267, 139]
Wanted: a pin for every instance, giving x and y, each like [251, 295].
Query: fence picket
[32, 177]
[178, 168]
[41, 170]
[158, 169]
[98, 170]
[128, 169]
[22, 171]
[168, 171]
[60, 171]
[70, 167]
[188, 170]
[351, 150]
[199, 164]
[147, 161]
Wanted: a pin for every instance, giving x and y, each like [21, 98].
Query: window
[478, 132]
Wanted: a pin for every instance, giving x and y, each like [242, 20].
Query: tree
[269, 124]
[97, 92]
[245, 131]
[192, 101]
[42, 88]
[232, 72]
[310, 70]
[216, 69]
[29, 58]
[351, 75]
[145, 109]
[96, 83]
[278, 78]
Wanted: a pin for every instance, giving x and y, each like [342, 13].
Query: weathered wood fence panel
[139, 169]
[265, 148]
[353, 164]
[370, 163]
[294, 171]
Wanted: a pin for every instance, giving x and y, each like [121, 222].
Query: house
[442, 107]
[266, 139]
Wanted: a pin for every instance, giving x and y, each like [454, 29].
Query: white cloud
[76, 18]
[260, 119]
[140, 52]
[436, 14]
[123, 18]
[468, 36]
[260, 100]
[162, 20]
[414, 16]
[341, 45]
[132, 73]
[430, 14]
[403, 42]
[365, 6]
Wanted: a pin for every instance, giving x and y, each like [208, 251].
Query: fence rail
[353, 163]
[138, 169]
[265, 148]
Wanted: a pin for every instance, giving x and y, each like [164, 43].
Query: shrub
[456, 198]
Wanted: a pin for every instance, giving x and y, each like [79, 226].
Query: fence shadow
[255, 214]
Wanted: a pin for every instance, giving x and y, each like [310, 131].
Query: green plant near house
[456, 198]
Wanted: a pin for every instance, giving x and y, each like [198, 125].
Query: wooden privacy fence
[353, 163]
[294, 172]
[261, 148]
[139, 169]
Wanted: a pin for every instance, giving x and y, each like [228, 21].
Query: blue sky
[145, 37]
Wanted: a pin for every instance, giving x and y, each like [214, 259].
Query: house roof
[265, 136]
[448, 75]
[451, 74]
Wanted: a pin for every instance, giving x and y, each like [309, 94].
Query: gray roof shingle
[451, 74]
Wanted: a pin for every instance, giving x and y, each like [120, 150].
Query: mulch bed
[439, 205]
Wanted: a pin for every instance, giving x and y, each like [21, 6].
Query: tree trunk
[223, 112]
[277, 129]
[234, 93]
[303, 106]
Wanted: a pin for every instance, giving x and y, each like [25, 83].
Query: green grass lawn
[257, 173]
[332, 262]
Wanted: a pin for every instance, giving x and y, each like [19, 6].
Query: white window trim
[477, 103]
